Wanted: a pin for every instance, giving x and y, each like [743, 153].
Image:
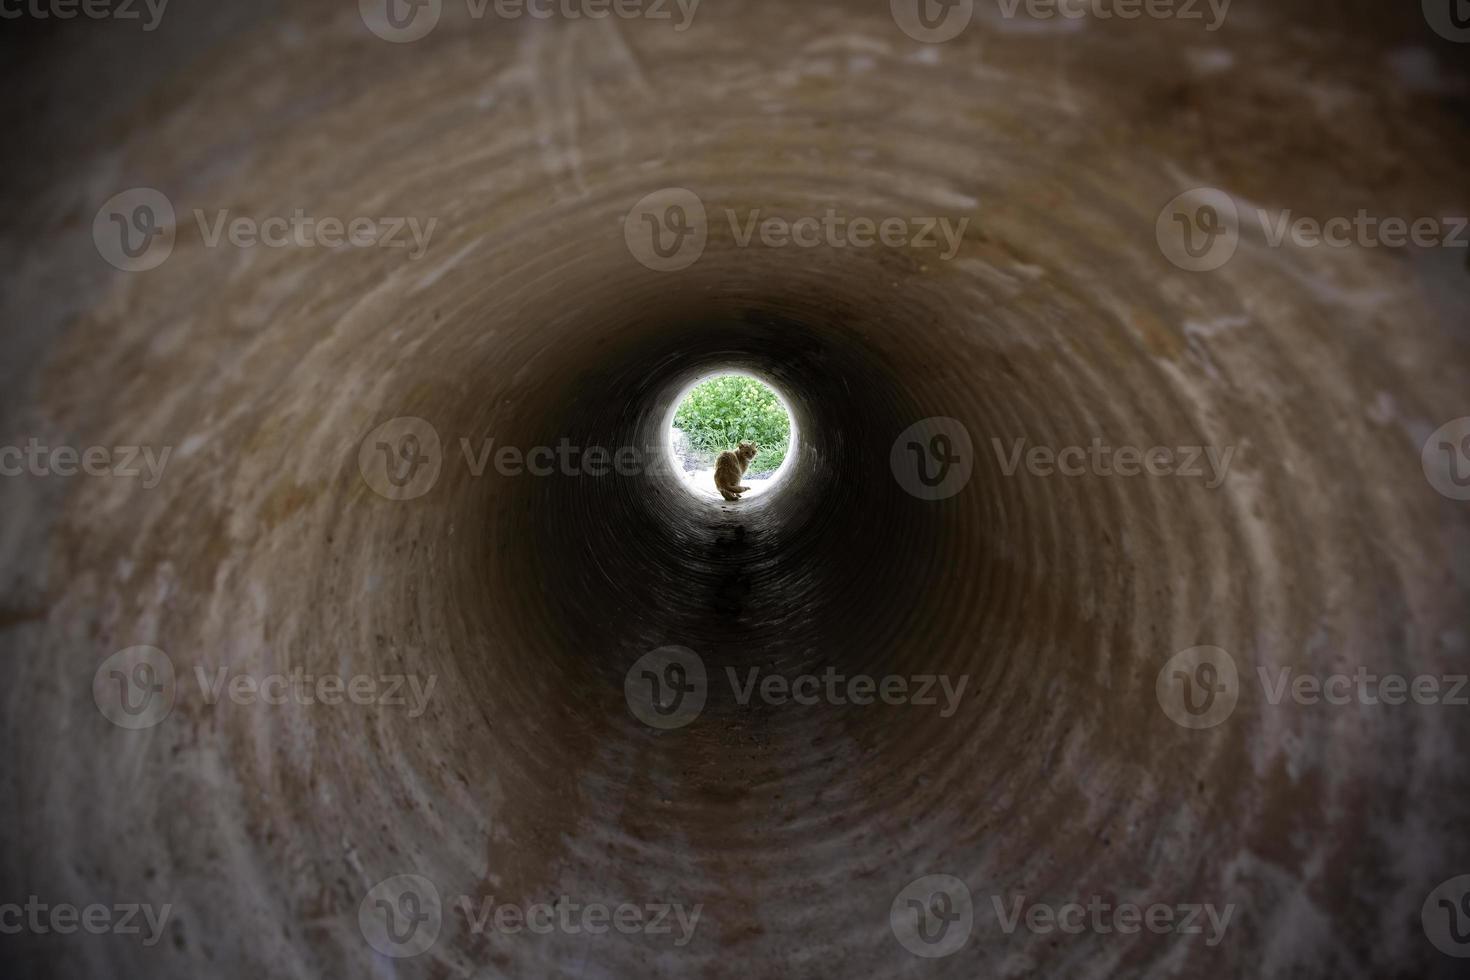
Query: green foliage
[723, 411]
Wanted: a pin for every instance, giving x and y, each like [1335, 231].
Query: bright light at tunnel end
[700, 482]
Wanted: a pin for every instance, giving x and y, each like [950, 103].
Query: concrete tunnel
[161, 620]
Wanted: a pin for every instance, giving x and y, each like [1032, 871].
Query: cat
[730, 467]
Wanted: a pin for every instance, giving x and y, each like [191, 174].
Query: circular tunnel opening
[722, 412]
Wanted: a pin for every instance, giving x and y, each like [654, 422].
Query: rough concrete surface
[524, 776]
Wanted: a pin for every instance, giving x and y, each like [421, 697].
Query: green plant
[723, 411]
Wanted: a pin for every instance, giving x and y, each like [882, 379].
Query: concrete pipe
[1109, 621]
